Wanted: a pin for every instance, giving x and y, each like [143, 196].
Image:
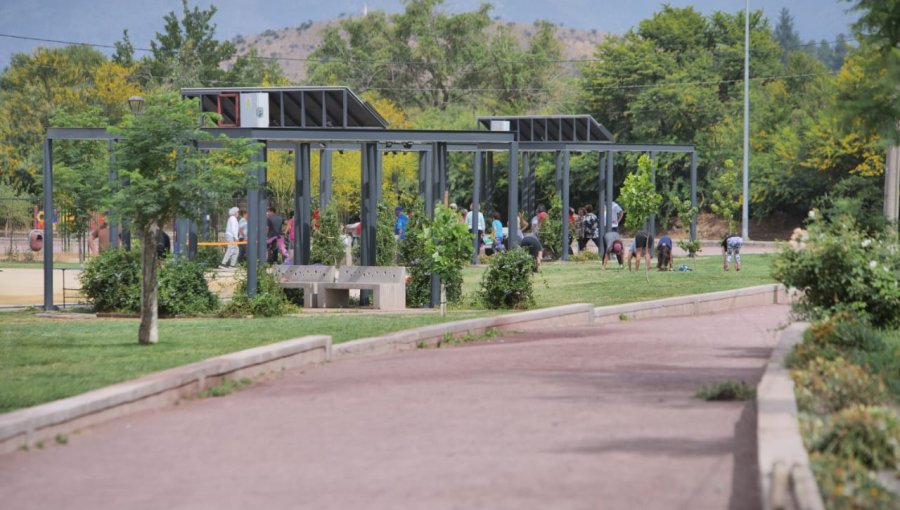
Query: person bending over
[664, 254]
[533, 245]
[639, 249]
[731, 246]
[616, 249]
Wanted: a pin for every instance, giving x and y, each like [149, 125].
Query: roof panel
[553, 128]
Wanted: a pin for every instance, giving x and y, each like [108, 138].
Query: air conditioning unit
[499, 125]
[254, 110]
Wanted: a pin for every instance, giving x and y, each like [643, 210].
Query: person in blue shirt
[664, 254]
[400, 224]
[497, 227]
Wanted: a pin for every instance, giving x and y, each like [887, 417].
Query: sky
[102, 21]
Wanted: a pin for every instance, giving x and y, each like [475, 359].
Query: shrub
[868, 434]
[183, 289]
[269, 301]
[418, 266]
[837, 335]
[729, 389]
[507, 282]
[385, 243]
[112, 281]
[550, 231]
[846, 484]
[826, 386]
[585, 256]
[327, 245]
[842, 268]
[209, 256]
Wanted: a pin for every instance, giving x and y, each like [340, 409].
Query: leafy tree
[639, 196]
[327, 241]
[148, 152]
[186, 53]
[871, 94]
[727, 195]
[252, 70]
[385, 243]
[448, 245]
[785, 34]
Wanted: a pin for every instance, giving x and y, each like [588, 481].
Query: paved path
[593, 417]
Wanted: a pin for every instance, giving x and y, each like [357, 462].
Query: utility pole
[745, 206]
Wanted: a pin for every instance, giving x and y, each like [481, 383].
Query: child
[731, 245]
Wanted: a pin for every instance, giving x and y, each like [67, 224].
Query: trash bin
[36, 239]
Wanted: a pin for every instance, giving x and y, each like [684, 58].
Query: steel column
[423, 167]
[565, 206]
[610, 161]
[652, 246]
[694, 194]
[325, 182]
[114, 186]
[513, 210]
[557, 176]
[476, 205]
[601, 197]
[48, 225]
[302, 217]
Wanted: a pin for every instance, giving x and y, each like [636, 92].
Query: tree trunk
[149, 330]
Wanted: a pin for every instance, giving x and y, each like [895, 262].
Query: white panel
[499, 125]
[255, 110]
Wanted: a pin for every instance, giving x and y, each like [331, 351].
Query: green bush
[868, 434]
[385, 242]
[209, 256]
[843, 268]
[729, 389]
[269, 301]
[826, 386]
[418, 265]
[585, 256]
[327, 244]
[507, 281]
[550, 231]
[112, 281]
[846, 484]
[840, 334]
[418, 253]
[182, 289]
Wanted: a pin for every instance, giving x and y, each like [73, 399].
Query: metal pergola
[565, 134]
[432, 146]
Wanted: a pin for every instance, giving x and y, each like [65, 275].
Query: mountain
[292, 45]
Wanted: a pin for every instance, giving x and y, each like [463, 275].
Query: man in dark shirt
[533, 245]
[274, 236]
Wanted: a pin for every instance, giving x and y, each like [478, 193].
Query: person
[401, 223]
[591, 225]
[163, 244]
[616, 248]
[617, 214]
[731, 246]
[497, 227]
[664, 254]
[232, 233]
[538, 218]
[242, 235]
[531, 243]
[579, 229]
[101, 235]
[274, 235]
[639, 249]
[481, 224]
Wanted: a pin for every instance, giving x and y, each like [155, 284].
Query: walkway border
[785, 478]
[42, 423]
[696, 304]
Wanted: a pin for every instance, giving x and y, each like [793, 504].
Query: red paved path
[599, 417]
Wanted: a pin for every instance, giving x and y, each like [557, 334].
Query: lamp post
[136, 105]
[745, 206]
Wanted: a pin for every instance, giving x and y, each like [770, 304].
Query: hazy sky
[102, 21]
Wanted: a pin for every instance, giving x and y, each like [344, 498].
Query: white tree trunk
[149, 330]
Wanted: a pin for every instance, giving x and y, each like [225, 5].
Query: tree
[327, 241]
[186, 53]
[448, 245]
[160, 188]
[873, 95]
[785, 34]
[640, 199]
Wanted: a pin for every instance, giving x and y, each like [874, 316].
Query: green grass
[37, 265]
[43, 360]
[584, 282]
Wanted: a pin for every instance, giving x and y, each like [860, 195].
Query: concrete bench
[308, 278]
[388, 286]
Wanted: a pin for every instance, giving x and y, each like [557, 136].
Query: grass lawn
[43, 360]
[584, 282]
[38, 265]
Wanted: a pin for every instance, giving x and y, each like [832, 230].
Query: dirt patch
[711, 226]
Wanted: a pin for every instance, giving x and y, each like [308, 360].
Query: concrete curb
[785, 478]
[572, 315]
[696, 304]
[28, 427]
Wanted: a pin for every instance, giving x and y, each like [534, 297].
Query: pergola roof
[551, 128]
[296, 107]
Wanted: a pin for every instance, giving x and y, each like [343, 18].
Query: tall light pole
[745, 208]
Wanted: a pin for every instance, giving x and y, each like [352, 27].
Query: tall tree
[160, 188]
[187, 53]
[785, 34]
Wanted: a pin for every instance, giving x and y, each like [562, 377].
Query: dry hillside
[292, 45]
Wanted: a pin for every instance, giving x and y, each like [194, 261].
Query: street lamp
[136, 104]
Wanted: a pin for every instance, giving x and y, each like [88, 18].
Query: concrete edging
[577, 314]
[785, 478]
[30, 426]
[696, 304]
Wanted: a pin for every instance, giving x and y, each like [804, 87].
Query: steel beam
[476, 205]
[565, 206]
[48, 225]
[302, 217]
[512, 217]
[694, 194]
[326, 186]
